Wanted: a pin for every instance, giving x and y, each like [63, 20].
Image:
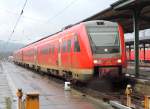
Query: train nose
[107, 62]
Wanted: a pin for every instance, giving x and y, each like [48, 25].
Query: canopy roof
[122, 12]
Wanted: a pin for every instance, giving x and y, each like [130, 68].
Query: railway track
[105, 91]
[114, 96]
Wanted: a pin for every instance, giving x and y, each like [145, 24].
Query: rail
[117, 105]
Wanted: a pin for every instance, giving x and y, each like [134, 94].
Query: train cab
[107, 45]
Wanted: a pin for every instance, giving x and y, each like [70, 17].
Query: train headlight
[95, 61]
[119, 61]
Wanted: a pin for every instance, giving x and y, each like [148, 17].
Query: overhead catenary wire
[17, 22]
[62, 11]
[16, 14]
[21, 13]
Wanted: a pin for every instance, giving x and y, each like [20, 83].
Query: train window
[45, 50]
[30, 53]
[50, 50]
[64, 45]
[69, 45]
[53, 49]
[76, 44]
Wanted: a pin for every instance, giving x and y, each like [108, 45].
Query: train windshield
[104, 39]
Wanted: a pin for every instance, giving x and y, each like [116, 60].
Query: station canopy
[122, 12]
[143, 40]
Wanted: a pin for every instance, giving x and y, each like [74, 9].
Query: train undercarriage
[101, 75]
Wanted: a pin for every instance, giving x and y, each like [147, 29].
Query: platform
[52, 94]
[6, 96]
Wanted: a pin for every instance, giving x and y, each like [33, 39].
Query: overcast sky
[44, 17]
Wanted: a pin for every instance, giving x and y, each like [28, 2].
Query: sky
[43, 17]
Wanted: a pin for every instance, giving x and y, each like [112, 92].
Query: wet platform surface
[5, 91]
[52, 94]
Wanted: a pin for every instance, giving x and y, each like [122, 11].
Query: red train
[79, 52]
[142, 57]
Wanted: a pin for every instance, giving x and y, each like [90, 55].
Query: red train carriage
[143, 58]
[28, 56]
[93, 47]
[18, 56]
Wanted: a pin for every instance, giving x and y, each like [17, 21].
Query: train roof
[64, 28]
[124, 16]
[100, 22]
[41, 39]
[71, 25]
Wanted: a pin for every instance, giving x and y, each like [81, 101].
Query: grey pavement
[52, 94]
[6, 97]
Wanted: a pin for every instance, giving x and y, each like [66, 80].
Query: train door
[68, 54]
[59, 52]
[56, 53]
[35, 55]
[22, 56]
[76, 57]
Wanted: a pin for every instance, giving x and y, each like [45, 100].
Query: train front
[108, 47]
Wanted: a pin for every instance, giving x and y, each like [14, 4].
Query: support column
[136, 40]
[129, 52]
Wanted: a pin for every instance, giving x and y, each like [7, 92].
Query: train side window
[50, 50]
[45, 50]
[30, 53]
[76, 44]
[53, 49]
[64, 49]
[69, 45]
